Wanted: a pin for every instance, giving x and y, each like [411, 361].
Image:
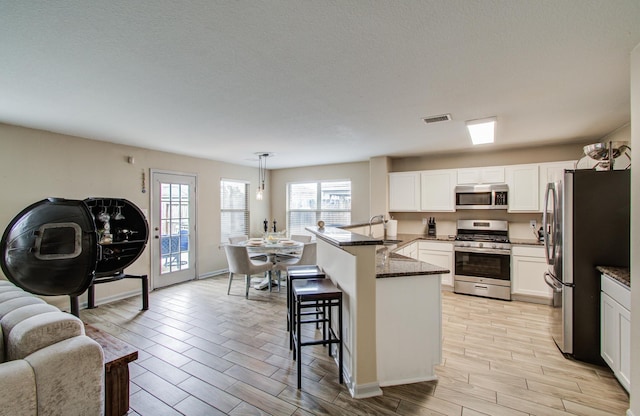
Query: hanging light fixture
[262, 167]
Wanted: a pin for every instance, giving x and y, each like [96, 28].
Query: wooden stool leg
[298, 344]
[288, 304]
[340, 359]
[327, 331]
[292, 321]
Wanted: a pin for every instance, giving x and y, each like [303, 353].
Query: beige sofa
[48, 366]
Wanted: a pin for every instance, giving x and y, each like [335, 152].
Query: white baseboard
[629, 412]
[213, 273]
[362, 391]
[541, 300]
[408, 381]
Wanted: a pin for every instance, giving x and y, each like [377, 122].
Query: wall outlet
[533, 223]
[424, 221]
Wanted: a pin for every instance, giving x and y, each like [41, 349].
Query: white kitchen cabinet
[410, 250]
[437, 190]
[615, 328]
[528, 265]
[524, 188]
[470, 176]
[440, 254]
[552, 172]
[404, 191]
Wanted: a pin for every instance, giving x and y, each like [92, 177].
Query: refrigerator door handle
[553, 283]
[547, 228]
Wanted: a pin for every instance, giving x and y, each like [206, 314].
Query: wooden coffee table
[117, 356]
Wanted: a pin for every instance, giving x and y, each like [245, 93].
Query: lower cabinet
[528, 265]
[440, 254]
[410, 250]
[615, 329]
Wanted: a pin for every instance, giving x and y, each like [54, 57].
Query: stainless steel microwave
[489, 196]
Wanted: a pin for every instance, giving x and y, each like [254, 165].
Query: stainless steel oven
[483, 259]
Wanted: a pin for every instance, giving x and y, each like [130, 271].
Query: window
[310, 202]
[234, 209]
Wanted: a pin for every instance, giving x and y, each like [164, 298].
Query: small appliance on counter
[431, 227]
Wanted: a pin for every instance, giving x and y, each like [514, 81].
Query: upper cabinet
[524, 188]
[434, 190]
[552, 172]
[404, 191]
[438, 190]
[491, 174]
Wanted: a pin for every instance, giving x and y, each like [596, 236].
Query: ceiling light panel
[482, 131]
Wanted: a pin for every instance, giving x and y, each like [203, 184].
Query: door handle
[552, 283]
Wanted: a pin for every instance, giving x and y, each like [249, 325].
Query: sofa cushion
[12, 294]
[69, 377]
[10, 288]
[18, 389]
[18, 315]
[39, 331]
[10, 305]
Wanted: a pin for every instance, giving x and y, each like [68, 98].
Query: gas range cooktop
[483, 234]
[483, 237]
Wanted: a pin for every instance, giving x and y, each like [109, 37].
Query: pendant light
[262, 167]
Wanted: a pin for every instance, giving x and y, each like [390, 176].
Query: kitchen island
[392, 311]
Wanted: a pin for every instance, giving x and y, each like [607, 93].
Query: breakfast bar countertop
[396, 265]
[339, 237]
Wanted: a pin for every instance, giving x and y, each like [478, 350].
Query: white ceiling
[316, 82]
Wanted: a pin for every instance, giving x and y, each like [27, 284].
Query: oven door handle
[482, 250]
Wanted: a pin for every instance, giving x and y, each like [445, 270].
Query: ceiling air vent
[437, 119]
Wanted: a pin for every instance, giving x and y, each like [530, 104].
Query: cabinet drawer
[617, 291]
[528, 251]
[434, 246]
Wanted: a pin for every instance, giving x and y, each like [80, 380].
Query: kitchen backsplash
[519, 224]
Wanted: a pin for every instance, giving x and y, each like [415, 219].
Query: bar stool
[295, 273]
[316, 293]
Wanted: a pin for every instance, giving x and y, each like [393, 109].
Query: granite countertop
[621, 274]
[410, 238]
[396, 265]
[527, 242]
[339, 237]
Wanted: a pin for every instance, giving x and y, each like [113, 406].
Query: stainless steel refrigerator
[586, 224]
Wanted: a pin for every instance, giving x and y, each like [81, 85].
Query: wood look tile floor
[202, 352]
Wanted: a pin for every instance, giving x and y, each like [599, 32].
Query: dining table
[272, 248]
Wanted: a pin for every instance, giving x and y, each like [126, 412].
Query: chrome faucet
[381, 217]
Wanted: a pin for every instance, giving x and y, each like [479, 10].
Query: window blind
[309, 202]
[234, 209]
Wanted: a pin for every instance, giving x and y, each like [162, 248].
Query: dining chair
[238, 239]
[241, 238]
[307, 257]
[240, 263]
[301, 238]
